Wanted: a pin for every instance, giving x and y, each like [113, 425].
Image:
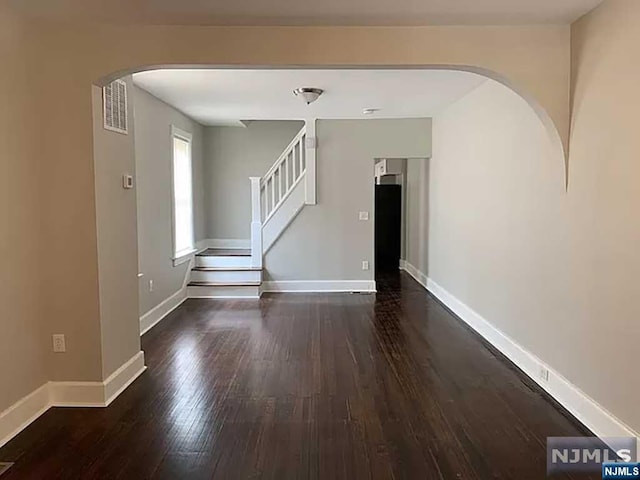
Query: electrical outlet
[365, 265]
[151, 285]
[127, 182]
[59, 343]
[363, 215]
[544, 373]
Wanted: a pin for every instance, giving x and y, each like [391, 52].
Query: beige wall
[233, 154]
[153, 152]
[68, 266]
[327, 241]
[532, 59]
[604, 195]
[23, 346]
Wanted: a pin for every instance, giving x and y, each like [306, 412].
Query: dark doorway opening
[388, 225]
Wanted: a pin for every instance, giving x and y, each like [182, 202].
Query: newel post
[256, 223]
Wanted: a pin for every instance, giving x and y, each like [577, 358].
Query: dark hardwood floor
[324, 386]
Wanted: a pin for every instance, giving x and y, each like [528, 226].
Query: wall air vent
[114, 107]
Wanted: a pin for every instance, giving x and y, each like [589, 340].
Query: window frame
[182, 256]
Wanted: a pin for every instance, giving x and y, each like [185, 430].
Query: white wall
[114, 155]
[555, 271]
[496, 216]
[327, 241]
[233, 154]
[153, 120]
[417, 213]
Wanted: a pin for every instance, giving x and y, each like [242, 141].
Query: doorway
[388, 214]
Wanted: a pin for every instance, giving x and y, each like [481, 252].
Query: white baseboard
[593, 415]
[68, 394]
[201, 245]
[224, 243]
[76, 394]
[418, 276]
[311, 286]
[97, 394]
[157, 313]
[20, 415]
[124, 376]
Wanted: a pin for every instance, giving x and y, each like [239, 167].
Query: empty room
[344, 240]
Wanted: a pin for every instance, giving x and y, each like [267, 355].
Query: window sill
[183, 257]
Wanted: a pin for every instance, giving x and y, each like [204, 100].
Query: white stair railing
[269, 192]
[256, 223]
[283, 176]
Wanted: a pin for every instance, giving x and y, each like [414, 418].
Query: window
[183, 242]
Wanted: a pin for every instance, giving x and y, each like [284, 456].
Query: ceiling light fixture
[308, 94]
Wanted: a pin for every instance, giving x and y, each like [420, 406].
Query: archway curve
[110, 251]
[533, 58]
[553, 132]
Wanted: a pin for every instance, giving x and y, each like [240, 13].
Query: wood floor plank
[307, 386]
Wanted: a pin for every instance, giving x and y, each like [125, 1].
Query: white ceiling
[314, 12]
[225, 97]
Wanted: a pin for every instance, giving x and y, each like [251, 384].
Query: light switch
[364, 216]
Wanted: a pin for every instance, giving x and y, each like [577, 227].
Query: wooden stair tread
[227, 269]
[225, 252]
[224, 284]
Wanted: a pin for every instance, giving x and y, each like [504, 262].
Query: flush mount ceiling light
[308, 94]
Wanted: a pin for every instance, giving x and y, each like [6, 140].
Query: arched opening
[118, 237]
[555, 137]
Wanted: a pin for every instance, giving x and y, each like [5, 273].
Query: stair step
[232, 262]
[224, 290]
[225, 252]
[226, 275]
[224, 284]
[226, 269]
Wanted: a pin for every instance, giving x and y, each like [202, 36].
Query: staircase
[276, 199]
[224, 273]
